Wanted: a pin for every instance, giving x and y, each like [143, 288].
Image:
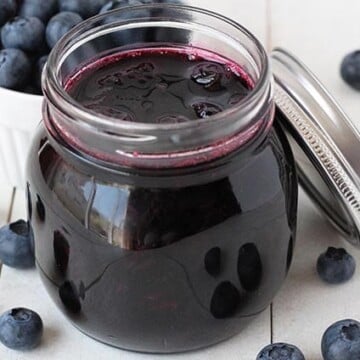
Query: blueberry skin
[15, 245]
[21, 329]
[59, 25]
[26, 34]
[15, 68]
[40, 9]
[39, 69]
[116, 4]
[7, 10]
[85, 8]
[341, 341]
[335, 266]
[280, 351]
[350, 69]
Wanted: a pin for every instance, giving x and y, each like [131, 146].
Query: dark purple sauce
[162, 85]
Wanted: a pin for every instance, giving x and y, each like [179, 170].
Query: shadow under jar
[161, 236]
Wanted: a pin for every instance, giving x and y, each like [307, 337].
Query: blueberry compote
[164, 85]
[163, 259]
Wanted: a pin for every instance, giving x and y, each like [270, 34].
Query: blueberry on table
[336, 266]
[15, 245]
[40, 9]
[341, 341]
[59, 25]
[26, 34]
[85, 8]
[280, 351]
[7, 10]
[15, 68]
[21, 329]
[350, 69]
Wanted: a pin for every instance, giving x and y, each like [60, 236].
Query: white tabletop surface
[319, 32]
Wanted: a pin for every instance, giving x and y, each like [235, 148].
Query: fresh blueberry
[26, 34]
[129, 36]
[116, 4]
[7, 10]
[40, 9]
[15, 245]
[341, 341]
[280, 351]
[38, 70]
[85, 8]
[15, 68]
[350, 69]
[59, 25]
[21, 329]
[336, 266]
[31, 89]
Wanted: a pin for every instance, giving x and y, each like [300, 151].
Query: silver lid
[326, 144]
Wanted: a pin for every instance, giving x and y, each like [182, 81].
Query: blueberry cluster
[30, 29]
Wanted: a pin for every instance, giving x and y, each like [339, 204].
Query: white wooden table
[319, 32]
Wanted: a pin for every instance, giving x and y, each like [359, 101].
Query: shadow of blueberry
[61, 252]
[29, 203]
[225, 300]
[69, 297]
[40, 209]
[249, 267]
[212, 261]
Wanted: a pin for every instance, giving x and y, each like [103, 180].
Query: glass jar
[161, 237]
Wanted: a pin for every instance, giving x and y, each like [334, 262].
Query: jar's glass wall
[162, 259]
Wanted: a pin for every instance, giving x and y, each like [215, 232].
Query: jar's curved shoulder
[260, 176]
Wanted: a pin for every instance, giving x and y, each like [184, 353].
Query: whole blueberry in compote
[336, 266]
[280, 351]
[341, 341]
[7, 10]
[59, 25]
[40, 9]
[350, 69]
[15, 245]
[85, 8]
[21, 329]
[15, 68]
[26, 34]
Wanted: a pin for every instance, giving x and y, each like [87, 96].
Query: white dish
[20, 114]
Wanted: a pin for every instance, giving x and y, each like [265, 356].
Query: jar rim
[91, 118]
[111, 140]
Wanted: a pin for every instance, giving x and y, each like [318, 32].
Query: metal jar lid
[326, 144]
